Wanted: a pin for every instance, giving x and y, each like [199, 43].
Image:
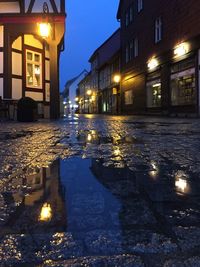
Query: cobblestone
[124, 191]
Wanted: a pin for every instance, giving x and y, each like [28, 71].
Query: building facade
[99, 91]
[70, 95]
[84, 95]
[31, 40]
[160, 56]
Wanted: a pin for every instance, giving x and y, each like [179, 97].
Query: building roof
[119, 10]
[71, 81]
[108, 49]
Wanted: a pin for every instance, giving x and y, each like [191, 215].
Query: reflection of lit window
[89, 137]
[181, 185]
[155, 170]
[181, 182]
[46, 213]
[33, 69]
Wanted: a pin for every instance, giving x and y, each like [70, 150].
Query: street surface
[100, 191]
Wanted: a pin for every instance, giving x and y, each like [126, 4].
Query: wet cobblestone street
[100, 191]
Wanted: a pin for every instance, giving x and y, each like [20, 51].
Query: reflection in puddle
[107, 209]
[46, 213]
[155, 170]
[94, 137]
[181, 182]
[36, 203]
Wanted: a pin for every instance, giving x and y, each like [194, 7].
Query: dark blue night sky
[89, 23]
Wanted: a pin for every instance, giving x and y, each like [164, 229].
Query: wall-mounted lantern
[152, 63]
[117, 78]
[44, 27]
[181, 49]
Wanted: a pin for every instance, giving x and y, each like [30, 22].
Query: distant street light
[89, 92]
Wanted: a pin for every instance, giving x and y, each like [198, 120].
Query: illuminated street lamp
[44, 29]
[89, 92]
[117, 78]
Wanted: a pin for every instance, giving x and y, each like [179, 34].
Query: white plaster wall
[35, 95]
[47, 70]
[38, 7]
[1, 36]
[16, 63]
[17, 44]
[47, 92]
[1, 62]
[30, 40]
[1, 87]
[16, 88]
[9, 7]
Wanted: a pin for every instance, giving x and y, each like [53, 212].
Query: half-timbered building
[31, 40]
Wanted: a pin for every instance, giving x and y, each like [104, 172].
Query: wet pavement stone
[124, 191]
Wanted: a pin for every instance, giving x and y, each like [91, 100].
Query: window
[33, 69]
[158, 30]
[131, 50]
[135, 47]
[154, 94]
[129, 16]
[128, 97]
[127, 53]
[183, 90]
[140, 5]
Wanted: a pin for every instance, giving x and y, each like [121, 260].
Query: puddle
[95, 137]
[80, 207]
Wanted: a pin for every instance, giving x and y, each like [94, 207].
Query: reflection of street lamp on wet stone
[89, 93]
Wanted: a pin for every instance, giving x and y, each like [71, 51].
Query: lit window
[158, 30]
[33, 69]
[154, 94]
[140, 5]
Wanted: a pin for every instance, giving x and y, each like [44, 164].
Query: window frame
[158, 30]
[33, 62]
[139, 5]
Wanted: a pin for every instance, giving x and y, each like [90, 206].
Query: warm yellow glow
[155, 170]
[44, 29]
[46, 213]
[181, 184]
[37, 70]
[93, 98]
[76, 99]
[181, 49]
[89, 137]
[156, 85]
[89, 92]
[117, 151]
[117, 78]
[152, 63]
